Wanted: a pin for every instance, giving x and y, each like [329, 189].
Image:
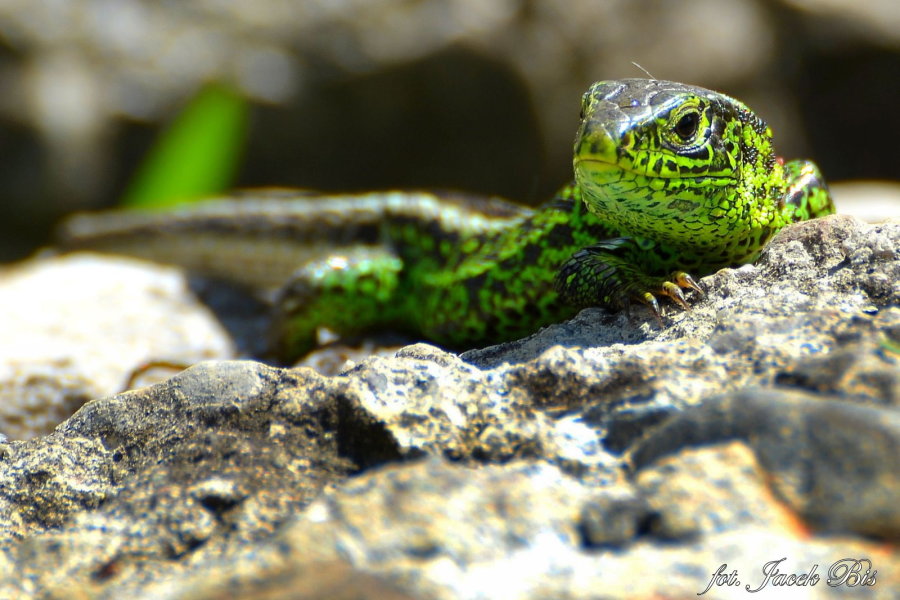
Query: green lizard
[670, 179]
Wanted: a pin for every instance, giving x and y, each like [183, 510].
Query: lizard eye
[687, 125]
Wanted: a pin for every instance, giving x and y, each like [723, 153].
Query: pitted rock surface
[762, 424]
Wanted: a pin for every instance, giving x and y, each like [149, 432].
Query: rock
[136, 485]
[709, 490]
[836, 464]
[334, 580]
[758, 426]
[80, 326]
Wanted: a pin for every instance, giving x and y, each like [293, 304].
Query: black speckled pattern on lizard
[670, 179]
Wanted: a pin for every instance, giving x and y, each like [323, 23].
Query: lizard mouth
[602, 171]
[599, 165]
[610, 170]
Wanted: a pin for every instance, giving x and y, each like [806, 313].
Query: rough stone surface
[761, 425]
[834, 463]
[138, 484]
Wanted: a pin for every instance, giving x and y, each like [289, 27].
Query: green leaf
[197, 155]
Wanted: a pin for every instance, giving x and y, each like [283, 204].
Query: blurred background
[472, 95]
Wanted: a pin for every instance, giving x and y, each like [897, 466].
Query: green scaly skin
[670, 179]
[675, 179]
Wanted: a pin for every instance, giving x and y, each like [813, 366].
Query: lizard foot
[595, 276]
[670, 287]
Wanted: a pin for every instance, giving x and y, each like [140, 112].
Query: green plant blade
[197, 155]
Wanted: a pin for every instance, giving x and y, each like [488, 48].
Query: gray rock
[762, 424]
[139, 483]
[836, 464]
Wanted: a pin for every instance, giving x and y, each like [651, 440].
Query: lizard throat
[667, 208]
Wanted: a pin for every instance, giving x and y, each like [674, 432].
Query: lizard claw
[686, 281]
[671, 289]
[674, 292]
[651, 302]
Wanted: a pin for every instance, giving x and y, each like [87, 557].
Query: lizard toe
[650, 300]
[674, 292]
[686, 281]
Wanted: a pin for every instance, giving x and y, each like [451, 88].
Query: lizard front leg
[615, 272]
[348, 292]
[806, 195]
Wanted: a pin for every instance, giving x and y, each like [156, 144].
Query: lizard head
[667, 160]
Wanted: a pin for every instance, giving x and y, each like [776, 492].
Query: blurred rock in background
[463, 94]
